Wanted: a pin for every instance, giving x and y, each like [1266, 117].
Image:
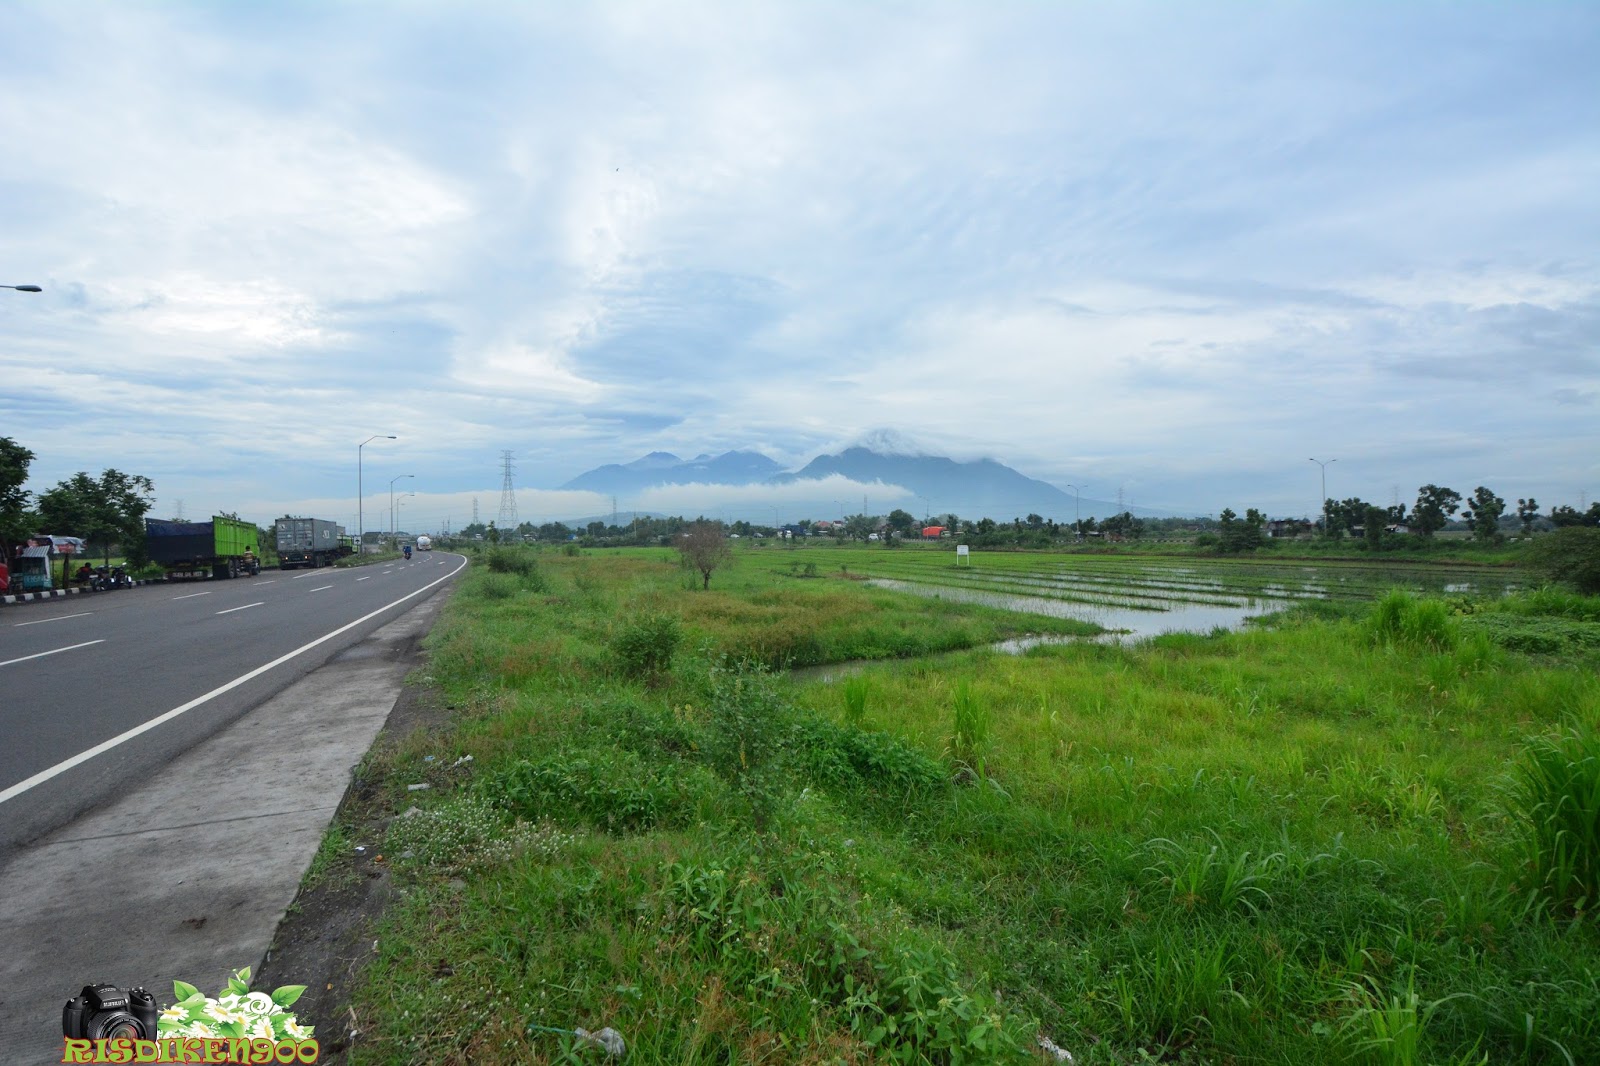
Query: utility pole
[1323, 465]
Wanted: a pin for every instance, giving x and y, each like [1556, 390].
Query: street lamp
[1322, 464]
[23, 288]
[1077, 523]
[361, 516]
[392, 480]
[398, 504]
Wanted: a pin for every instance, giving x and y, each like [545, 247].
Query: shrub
[1570, 555]
[1555, 797]
[498, 586]
[644, 646]
[614, 790]
[1400, 618]
[511, 561]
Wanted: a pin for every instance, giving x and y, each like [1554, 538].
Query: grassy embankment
[1293, 845]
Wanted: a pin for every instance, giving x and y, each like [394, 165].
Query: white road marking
[57, 618]
[319, 588]
[57, 651]
[122, 738]
[367, 578]
[308, 573]
[191, 595]
[268, 581]
[246, 607]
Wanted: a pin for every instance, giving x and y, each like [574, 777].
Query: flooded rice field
[1142, 598]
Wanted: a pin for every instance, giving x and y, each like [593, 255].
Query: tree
[1528, 512]
[860, 526]
[1433, 509]
[902, 521]
[103, 512]
[1345, 515]
[704, 547]
[1373, 523]
[1483, 516]
[14, 460]
[1124, 525]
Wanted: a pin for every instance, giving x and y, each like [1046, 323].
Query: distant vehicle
[193, 549]
[873, 536]
[424, 543]
[308, 542]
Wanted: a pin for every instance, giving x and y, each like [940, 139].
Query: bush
[1555, 797]
[497, 586]
[614, 790]
[519, 563]
[1571, 556]
[644, 646]
[1400, 618]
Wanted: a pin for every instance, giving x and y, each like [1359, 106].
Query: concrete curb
[19, 598]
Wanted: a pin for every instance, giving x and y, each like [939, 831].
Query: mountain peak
[890, 442]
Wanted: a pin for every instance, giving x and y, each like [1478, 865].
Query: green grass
[1313, 842]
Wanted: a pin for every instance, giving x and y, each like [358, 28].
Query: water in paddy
[1176, 617]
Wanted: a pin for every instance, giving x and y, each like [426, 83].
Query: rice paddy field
[1364, 828]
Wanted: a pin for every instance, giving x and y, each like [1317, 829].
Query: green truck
[223, 547]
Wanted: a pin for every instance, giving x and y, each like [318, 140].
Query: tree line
[104, 511]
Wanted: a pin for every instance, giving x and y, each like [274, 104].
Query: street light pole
[392, 480]
[23, 288]
[361, 499]
[1322, 464]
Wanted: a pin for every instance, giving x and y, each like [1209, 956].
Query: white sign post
[963, 555]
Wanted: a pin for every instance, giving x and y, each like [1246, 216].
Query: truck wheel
[233, 569]
[219, 572]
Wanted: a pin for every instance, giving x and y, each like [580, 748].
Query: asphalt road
[98, 691]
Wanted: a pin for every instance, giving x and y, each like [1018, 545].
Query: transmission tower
[508, 495]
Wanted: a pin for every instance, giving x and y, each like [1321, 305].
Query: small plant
[1555, 796]
[1389, 1030]
[971, 725]
[855, 691]
[644, 646]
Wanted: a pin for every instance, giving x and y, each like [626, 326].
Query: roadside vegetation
[1368, 832]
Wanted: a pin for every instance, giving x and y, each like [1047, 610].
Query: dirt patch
[330, 932]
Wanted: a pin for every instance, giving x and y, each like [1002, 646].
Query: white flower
[174, 1013]
[224, 1013]
[200, 1029]
[295, 1029]
[262, 1028]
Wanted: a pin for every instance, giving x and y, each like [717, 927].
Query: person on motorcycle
[406, 551]
[251, 563]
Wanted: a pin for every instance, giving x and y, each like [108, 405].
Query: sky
[1171, 250]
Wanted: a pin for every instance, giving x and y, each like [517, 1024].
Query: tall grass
[1555, 797]
[970, 728]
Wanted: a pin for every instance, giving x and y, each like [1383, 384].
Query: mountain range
[922, 484]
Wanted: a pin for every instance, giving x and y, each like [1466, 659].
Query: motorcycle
[120, 578]
[406, 551]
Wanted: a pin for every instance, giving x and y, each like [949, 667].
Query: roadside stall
[31, 571]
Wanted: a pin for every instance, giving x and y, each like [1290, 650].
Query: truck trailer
[223, 547]
[308, 542]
